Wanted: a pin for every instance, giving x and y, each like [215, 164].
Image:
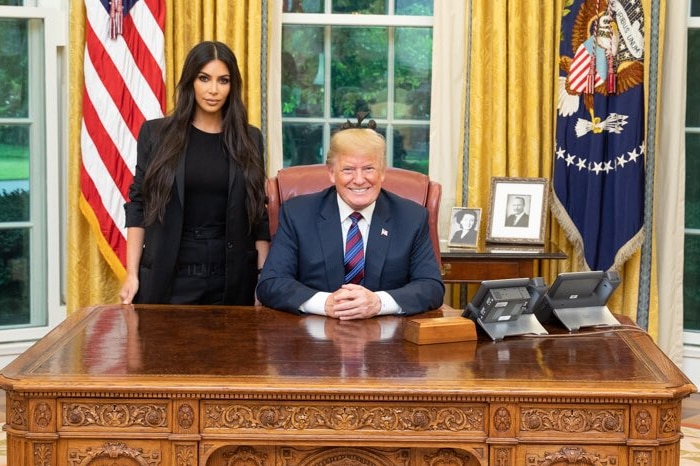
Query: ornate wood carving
[185, 454]
[185, 416]
[642, 458]
[244, 456]
[447, 457]
[345, 456]
[42, 415]
[119, 415]
[502, 420]
[643, 421]
[42, 454]
[17, 414]
[572, 420]
[669, 421]
[344, 417]
[501, 456]
[572, 456]
[113, 451]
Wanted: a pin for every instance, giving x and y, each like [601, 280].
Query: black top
[206, 180]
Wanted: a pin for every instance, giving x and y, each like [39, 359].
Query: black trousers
[200, 271]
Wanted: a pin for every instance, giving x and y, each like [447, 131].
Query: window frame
[45, 173]
[330, 20]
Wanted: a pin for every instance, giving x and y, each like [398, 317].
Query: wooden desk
[493, 262]
[161, 386]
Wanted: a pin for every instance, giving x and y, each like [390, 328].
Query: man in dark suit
[518, 216]
[305, 272]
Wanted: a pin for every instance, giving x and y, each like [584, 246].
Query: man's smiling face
[358, 177]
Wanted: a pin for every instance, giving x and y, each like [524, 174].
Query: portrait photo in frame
[518, 210]
[465, 223]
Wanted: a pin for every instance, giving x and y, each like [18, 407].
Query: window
[29, 171]
[691, 292]
[344, 57]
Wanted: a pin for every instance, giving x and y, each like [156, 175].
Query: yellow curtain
[512, 113]
[237, 23]
[90, 279]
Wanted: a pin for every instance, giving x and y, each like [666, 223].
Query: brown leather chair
[305, 179]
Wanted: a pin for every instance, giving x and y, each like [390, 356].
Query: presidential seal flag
[598, 179]
[124, 86]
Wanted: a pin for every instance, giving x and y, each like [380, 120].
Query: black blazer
[162, 239]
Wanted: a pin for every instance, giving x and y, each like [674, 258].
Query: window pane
[692, 114]
[413, 73]
[411, 148]
[302, 144]
[14, 173]
[302, 6]
[302, 71]
[11, 3]
[694, 7]
[14, 75]
[691, 275]
[359, 71]
[414, 7]
[370, 7]
[692, 187]
[14, 276]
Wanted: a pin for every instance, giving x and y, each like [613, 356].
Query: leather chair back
[306, 179]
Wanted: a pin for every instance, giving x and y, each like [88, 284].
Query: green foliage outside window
[13, 68]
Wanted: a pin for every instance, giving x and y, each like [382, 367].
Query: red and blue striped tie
[354, 252]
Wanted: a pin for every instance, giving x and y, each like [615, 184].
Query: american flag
[600, 145]
[124, 71]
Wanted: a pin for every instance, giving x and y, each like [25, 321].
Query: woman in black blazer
[197, 226]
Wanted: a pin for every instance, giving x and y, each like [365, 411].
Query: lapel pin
[384, 232]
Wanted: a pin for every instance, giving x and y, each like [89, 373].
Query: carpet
[690, 446]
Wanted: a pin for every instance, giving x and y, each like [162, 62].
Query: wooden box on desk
[440, 330]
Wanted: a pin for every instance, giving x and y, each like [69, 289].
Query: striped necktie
[354, 252]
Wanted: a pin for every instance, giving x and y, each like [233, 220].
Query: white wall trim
[691, 363]
[9, 351]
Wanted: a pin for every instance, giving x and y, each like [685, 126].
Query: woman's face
[467, 221]
[212, 87]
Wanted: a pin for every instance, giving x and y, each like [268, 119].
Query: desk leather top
[233, 352]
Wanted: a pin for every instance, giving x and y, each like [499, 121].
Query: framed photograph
[518, 210]
[464, 227]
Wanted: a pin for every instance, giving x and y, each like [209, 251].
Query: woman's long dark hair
[174, 134]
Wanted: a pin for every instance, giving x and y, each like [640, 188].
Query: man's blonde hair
[358, 140]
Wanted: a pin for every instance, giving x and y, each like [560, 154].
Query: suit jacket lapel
[378, 243]
[331, 235]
